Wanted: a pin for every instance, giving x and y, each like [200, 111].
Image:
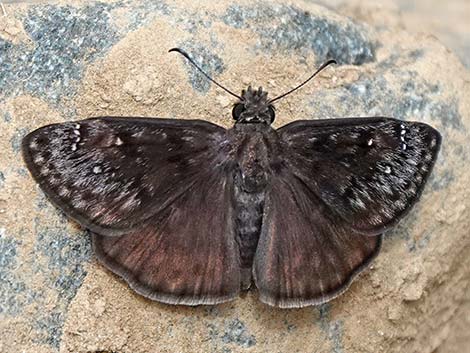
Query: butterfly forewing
[114, 174]
[367, 171]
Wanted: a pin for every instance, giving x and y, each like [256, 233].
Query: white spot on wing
[63, 191]
[369, 142]
[118, 141]
[38, 159]
[411, 161]
[399, 204]
[80, 204]
[388, 170]
[45, 171]
[33, 145]
[53, 180]
[97, 169]
[187, 138]
[376, 219]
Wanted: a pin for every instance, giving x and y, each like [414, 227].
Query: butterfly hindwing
[113, 174]
[368, 171]
[305, 255]
[185, 255]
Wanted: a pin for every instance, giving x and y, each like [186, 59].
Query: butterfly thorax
[253, 155]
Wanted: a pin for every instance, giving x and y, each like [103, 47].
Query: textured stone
[70, 61]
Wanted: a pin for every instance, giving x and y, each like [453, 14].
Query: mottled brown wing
[187, 254]
[305, 256]
[368, 171]
[114, 174]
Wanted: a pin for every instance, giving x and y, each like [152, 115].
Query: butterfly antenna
[186, 55]
[329, 62]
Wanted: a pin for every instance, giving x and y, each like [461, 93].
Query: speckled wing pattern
[345, 182]
[368, 171]
[137, 184]
[158, 196]
[105, 172]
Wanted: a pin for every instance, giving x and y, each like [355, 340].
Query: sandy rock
[81, 59]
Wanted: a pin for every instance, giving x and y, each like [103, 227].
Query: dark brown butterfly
[188, 212]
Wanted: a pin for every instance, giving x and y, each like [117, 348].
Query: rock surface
[65, 61]
[447, 20]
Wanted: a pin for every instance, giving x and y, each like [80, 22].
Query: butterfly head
[254, 107]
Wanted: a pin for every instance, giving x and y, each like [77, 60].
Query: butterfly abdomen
[249, 216]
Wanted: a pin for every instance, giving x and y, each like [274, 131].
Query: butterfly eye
[271, 113]
[238, 109]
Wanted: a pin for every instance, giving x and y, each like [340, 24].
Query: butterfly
[188, 212]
